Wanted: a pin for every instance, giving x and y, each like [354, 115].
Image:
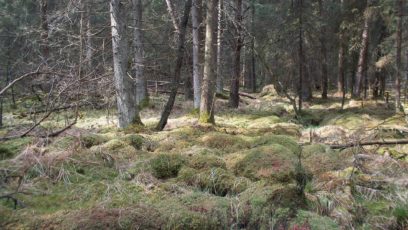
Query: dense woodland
[193, 114]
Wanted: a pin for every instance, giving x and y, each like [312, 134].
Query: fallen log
[368, 143]
[242, 94]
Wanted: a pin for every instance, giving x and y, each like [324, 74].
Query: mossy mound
[134, 140]
[166, 166]
[225, 142]
[137, 217]
[264, 122]
[351, 121]
[116, 149]
[217, 181]
[288, 129]
[267, 162]
[309, 220]
[11, 148]
[319, 158]
[265, 203]
[286, 141]
[201, 161]
[92, 140]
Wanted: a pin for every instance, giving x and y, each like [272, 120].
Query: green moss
[206, 118]
[273, 162]
[92, 139]
[200, 161]
[64, 142]
[114, 144]
[310, 220]
[11, 148]
[264, 122]
[286, 141]
[166, 166]
[217, 181]
[225, 142]
[134, 140]
[267, 207]
[319, 158]
[401, 214]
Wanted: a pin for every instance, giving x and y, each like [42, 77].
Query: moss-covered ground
[259, 167]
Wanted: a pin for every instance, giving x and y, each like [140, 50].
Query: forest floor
[246, 172]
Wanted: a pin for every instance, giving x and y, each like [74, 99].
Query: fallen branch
[367, 143]
[243, 94]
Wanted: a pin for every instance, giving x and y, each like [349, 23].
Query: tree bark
[177, 71]
[323, 51]
[141, 93]
[301, 56]
[173, 15]
[128, 112]
[208, 87]
[220, 31]
[45, 49]
[197, 69]
[398, 77]
[234, 94]
[362, 60]
[253, 61]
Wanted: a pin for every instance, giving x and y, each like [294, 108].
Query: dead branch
[368, 143]
[37, 72]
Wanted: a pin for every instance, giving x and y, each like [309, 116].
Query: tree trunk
[173, 15]
[208, 88]
[45, 49]
[197, 69]
[140, 81]
[253, 61]
[301, 56]
[362, 60]
[342, 56]
[89, 53]
[128, 112]
[398, 77]
[220, 30]
[234, 94]
[323, 51]
[177, 71]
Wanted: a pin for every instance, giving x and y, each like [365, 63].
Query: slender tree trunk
[45, 49]
[177, 71]
[128, 112]
[234, 92]
[323, 51]
[89, 53]
[406, 76]
[398, 77]
[197, 68]
[253, 61]
[140, 80]
[341, 60]
[173, 15]
[362, 60]
[208, 88]
[301, 56]
[220, 30]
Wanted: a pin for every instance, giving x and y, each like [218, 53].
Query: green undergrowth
[248, 171]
